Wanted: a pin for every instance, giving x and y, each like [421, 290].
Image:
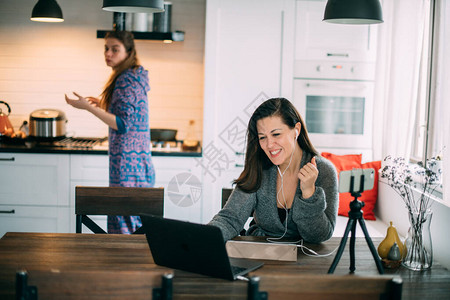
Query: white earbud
[296, 133]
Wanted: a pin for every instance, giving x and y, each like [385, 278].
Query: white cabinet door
[181, 179]
[247, 45]
[89, 168]
[34, 179]
[34, 194]
[248, 59]
[15, 218]
[322, 41]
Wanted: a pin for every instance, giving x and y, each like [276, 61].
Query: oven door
[337, 113]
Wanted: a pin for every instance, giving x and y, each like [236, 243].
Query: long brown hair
[255, 159]
[127, 39]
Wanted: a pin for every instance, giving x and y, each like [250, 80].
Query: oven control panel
[334, 70]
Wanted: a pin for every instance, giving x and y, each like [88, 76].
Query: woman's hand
[94, 101]
[91, 104]
[81, 103]
[308, 176]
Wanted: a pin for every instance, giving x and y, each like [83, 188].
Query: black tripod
[355, 214]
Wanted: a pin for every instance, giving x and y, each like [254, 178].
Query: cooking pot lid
[51, 114]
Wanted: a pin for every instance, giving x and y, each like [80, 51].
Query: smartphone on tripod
[355, 181]
[345, 180]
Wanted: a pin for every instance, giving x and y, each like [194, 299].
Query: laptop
[193, 247]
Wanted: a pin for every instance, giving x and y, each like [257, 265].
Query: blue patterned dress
[130, 162]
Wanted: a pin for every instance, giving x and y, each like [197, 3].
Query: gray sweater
[312, 219]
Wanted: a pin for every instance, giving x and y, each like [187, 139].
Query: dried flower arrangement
[404, 178]
[415, 183]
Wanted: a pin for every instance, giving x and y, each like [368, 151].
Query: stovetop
[89, 143]
[81, 142]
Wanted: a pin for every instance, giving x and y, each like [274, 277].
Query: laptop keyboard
[237, 270]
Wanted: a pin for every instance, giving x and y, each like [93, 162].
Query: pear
[391, 238]
[394, 253]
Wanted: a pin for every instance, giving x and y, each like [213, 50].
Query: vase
[419, 249]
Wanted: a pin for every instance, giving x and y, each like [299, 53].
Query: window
[431, 132]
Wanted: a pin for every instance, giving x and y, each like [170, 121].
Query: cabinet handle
[239, 165]
[338, 54]
[8, 159]
[240, 153]
[12, 211]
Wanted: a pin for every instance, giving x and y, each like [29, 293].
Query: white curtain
[397, 80]
[441, 111]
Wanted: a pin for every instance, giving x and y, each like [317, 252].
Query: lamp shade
[353, 12]
[47, 11]
[134, 6]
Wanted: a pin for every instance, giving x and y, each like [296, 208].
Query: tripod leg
[352, 248]
[350, 224]
[371, 246]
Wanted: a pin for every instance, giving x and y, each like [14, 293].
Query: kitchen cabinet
[38, 190]
[321, 41]
[182, 181]
[34, 195]
[34, 218]
[249, 51]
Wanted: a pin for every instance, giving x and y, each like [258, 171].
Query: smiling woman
[289, 189]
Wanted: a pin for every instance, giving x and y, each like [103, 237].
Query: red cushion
[344, 162]
[348, 162]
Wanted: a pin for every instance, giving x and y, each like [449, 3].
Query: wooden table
[123, 266]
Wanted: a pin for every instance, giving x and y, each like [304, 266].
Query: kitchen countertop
[32, 147]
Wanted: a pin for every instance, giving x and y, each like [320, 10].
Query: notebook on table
[193, 247]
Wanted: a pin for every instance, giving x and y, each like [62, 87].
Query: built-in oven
[336, 102]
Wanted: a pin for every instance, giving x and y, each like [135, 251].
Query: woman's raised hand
[308, 176]
[80, 103]
[94, 101]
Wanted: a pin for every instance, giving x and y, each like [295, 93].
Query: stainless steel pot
[48, 124]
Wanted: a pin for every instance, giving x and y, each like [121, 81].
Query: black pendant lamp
[47, 11]
[134, 6]
[353, 12]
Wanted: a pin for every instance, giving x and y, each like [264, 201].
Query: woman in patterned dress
[123, 106]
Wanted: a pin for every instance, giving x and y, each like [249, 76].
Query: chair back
[331, 287]
[226, 192]
[95, 284]
[123, 201]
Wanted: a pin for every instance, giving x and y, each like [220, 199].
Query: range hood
[175, 36]
[161, 27]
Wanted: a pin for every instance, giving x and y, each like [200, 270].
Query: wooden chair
[94, 284]
[123, 201]
[225, 195]
[325, 287]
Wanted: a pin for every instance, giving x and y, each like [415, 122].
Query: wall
[40, 62]
[390, 207]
